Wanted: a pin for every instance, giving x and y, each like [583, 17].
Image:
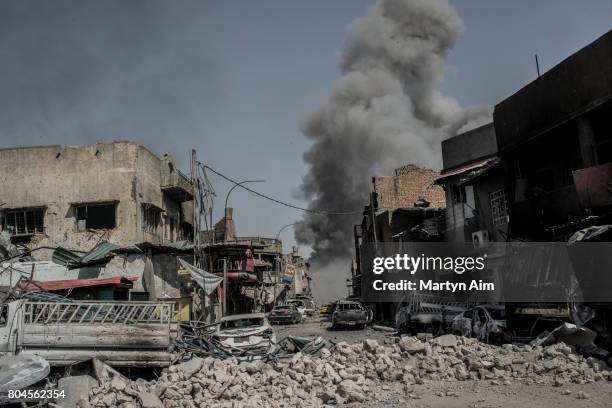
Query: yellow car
[325, 309]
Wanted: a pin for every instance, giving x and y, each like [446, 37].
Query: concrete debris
[74, 387]
[351, 373]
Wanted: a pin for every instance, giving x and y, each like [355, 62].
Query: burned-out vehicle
[285, 314]
[486, 323]
[250, 331]
[305, 306]
[350, 313]
[427, 313]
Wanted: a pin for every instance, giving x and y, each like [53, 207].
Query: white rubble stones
[412, 345]
[148, 400]
[447, 340]
[189, 368]
[350, 374]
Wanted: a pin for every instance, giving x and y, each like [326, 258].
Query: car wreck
[350, 313]
[246, 332]
[486, 323]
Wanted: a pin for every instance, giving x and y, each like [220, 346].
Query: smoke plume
[385, 111]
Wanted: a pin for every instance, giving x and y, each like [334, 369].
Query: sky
[236, 79]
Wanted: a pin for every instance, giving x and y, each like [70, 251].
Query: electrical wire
[257, 193]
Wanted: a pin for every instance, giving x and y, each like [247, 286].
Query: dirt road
[322, 327]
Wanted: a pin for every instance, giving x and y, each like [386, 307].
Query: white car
[246, 332]
[306, 307]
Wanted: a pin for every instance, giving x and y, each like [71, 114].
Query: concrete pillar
[586, 139]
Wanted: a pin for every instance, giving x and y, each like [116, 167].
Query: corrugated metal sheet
[105, 251]
[49, 286]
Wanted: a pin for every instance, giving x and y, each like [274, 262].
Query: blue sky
[235, 79]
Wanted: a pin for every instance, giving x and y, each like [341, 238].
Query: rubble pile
[351, 374]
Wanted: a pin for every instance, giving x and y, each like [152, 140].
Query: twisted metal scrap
[197, 339]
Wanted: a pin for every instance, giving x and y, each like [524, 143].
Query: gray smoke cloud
[385, 111]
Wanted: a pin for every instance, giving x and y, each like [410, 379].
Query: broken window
[3, 315]
[499, 211]
[458, 194]
[151, 217]
[25, 221]
[95, 216]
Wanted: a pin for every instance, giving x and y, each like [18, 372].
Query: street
[318, 326]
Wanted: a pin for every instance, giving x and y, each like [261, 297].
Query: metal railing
[97, 312]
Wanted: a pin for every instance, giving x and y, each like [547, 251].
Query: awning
[105, 251]
[476, 166]
[50, 286]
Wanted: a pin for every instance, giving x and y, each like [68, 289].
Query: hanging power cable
[257, 193]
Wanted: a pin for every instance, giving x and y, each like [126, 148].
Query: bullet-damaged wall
[59, 177]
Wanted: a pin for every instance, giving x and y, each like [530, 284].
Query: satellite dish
[21, 371]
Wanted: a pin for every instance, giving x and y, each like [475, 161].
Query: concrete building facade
[473, 181]
[77, 196]
[407, 206]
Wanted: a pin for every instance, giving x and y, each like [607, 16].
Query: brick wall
[406, 187]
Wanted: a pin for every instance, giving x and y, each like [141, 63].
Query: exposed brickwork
[406, 187]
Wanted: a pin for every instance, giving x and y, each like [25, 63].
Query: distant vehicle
[350, 313]
[326, 309]
[485, 322]
[305, 306]
[246, 332]
[285, 314]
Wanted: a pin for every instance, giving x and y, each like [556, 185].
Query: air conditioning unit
[480, 238]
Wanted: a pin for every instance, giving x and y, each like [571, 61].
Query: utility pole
[225, 287]
[196, 207]
[195, 182]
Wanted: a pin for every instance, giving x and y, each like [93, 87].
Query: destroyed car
[428, 317]
[485, 322]
[246, 332]
[349, 313]
[305, 307]
[285, 314]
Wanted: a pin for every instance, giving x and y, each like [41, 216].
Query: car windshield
[242, 323]
[297, 303]
[283, 307]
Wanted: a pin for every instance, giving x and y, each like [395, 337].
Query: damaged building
[473, 182]
[407, 206]
[100, 222]
[77, 196]
[555, 141]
